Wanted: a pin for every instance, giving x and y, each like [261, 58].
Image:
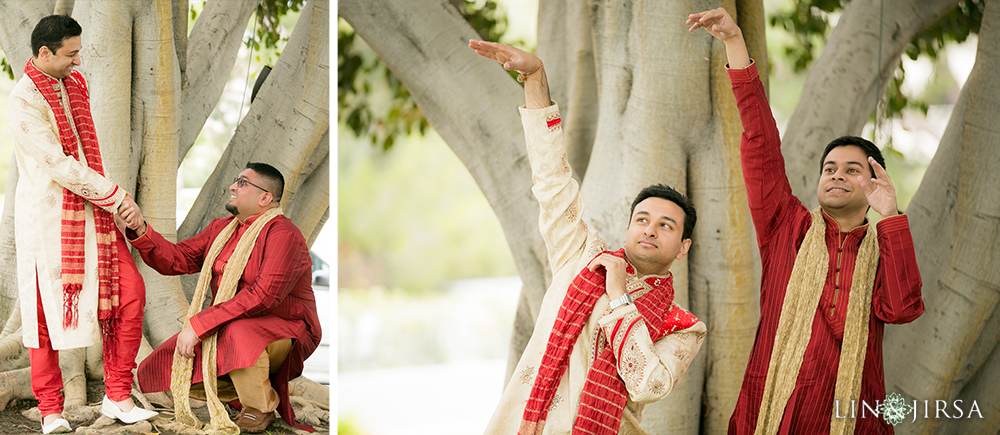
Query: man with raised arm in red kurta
[829, 281]
[269, 326]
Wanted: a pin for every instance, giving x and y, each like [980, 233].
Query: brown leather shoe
[253, 421]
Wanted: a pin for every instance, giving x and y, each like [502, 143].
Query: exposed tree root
[310, 390]
[13, 354]
[309, 413]
[15, 384]
[72, 363]
[13, 324]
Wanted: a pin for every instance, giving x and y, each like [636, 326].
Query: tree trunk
[214, 45]
[955, 216]
[565, 42]
[15, 40]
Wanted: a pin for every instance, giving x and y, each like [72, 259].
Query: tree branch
[285, 124]
[954, 219]
[472, 103]
[19, 18]
[307, 211]
[211, 53]
[64, 7]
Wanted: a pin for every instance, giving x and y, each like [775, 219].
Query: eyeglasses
[242, 182]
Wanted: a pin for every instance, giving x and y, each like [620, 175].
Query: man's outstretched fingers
[878, 169]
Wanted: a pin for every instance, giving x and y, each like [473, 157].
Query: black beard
[232, 209]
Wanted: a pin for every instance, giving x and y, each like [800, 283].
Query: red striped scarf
[73, 224]
[604, 394]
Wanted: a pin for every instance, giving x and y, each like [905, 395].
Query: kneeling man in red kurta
[262, 323]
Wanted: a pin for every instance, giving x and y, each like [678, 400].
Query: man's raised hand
[512, 59]
[717, 22]
[536, 86]
[880, 191]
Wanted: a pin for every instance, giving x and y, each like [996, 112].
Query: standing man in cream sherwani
[609, 338]
[77, 283]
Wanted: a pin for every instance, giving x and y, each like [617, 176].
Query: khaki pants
[251, 385]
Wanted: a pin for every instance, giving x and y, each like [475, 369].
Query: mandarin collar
[631, 274]
[832, 226]
[250, 220]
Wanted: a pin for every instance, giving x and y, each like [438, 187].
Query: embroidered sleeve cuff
[892, 224]
[110, 200]
[540, 121]
[618, 324]
[742, 75]
[610, 317]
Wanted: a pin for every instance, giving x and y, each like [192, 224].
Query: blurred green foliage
[412, 217]
[360, 72]
[809, 23]
[266, 32]
[349, 426]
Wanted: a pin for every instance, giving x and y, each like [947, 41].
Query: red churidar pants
[46, 377]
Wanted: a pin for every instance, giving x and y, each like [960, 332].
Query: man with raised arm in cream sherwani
[609, 339]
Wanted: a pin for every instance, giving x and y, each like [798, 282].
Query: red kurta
[781, 222]
[274, 300]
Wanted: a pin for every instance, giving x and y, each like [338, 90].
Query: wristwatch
[624, 299]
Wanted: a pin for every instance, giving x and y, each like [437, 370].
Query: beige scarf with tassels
[795, 327]
[180, 376]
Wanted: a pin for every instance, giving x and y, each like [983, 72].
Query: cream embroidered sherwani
[44, 170]
[656, 367]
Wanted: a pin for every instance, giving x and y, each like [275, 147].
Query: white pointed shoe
[59, 425]
[111, 410]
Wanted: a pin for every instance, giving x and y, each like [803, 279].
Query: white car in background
[317, 366]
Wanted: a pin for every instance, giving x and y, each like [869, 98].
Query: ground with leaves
[21, 417]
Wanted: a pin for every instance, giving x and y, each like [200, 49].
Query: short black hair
[668, 193]
[866, 146]
[272, 175]
[52, 30]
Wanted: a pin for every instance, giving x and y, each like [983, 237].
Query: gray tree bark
[956, 228]
[214, 44]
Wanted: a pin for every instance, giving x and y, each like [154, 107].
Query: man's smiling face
[838, 187]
